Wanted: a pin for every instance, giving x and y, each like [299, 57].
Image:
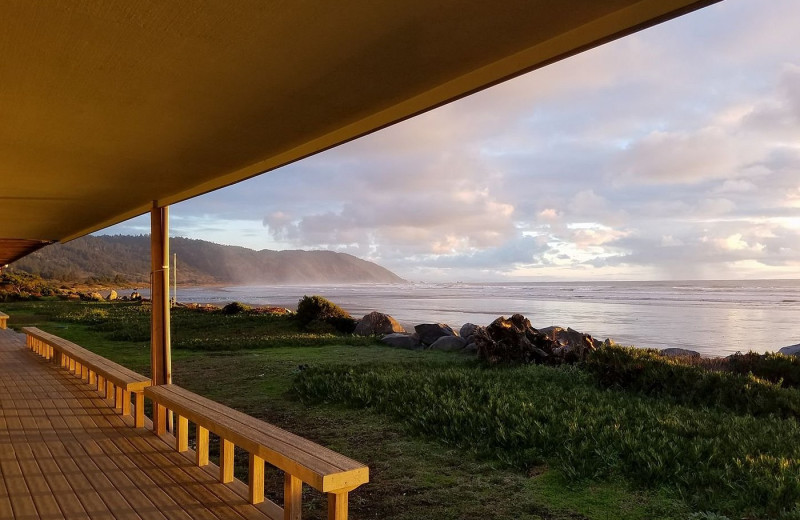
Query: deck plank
[66, 453]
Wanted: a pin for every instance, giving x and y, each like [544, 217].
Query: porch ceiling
[109, 105]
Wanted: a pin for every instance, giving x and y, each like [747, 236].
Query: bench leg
[202, 446]
[337, 506]
[182, 434]
[126, 403]
[292, 497]
[101, 386]
[225, 461]
[118, 405]
[159, 419]
[139, 420]
[256, 479]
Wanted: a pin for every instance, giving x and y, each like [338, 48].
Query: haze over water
[715, 318]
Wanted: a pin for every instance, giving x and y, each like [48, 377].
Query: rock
[467, 330]
[791, 350]
[430, 332]
[95, 297]
[608, 343]
[112, 295]
[448, 344]
[470, 348]
[135, 296]
[512, 340]
[400, 340]
[376, 323]
[570, 345]
[73, 296]
[679, 352]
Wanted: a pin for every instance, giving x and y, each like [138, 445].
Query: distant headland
[125, 260]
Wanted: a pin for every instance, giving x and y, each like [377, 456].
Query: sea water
[715, 318]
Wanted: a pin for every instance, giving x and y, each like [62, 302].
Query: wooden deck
[65, 453]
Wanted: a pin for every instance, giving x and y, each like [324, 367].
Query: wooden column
[160, 357]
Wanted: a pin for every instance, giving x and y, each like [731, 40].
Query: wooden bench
[3, 320]
[111, 380]
[300, 459]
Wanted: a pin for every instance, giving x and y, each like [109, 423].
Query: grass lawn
[425, 460]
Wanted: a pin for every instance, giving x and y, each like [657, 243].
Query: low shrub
[774, 367]
[315, 311]
[236, 308]
[647, 372]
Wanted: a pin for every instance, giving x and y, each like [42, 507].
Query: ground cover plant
[448, 438]
[530, 415]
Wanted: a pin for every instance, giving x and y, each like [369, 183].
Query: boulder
[400, 340]
[430, 332]
[470, 347]
[135, 296]
[448, 344]
[376, 323]
[95, 297]
[512, 340]
[467, 330]
[679, 352]
[112, 295]
[791, 350]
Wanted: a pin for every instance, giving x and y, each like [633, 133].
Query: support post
[160, 356]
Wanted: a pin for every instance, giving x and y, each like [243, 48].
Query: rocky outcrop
[449, 344]
[112, 295]
[429, 332]
[515, 340]
[572, 345]
[400, 340]
[377, 323]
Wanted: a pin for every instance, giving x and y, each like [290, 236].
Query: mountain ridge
[127, 257]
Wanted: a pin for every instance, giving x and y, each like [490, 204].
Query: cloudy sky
[670, 154]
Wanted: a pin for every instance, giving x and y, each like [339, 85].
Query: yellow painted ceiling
[107, 105]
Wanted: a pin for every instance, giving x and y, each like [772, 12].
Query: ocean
[715, 318]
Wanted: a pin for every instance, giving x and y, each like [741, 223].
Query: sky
[670, 154]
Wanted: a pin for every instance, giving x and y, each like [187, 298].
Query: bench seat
[301, 459]
[112, 380]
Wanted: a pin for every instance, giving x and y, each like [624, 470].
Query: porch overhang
[108, 106]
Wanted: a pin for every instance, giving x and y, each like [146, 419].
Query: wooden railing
[301, 460]
[110, 379]
[3, 320]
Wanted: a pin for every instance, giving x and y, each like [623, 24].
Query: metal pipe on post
[160, 355]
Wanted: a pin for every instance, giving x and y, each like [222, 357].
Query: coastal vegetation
[627, 433]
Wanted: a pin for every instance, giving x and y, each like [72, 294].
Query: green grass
[447, 438]
[533, 415]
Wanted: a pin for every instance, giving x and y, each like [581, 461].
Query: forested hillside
[126, 258]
